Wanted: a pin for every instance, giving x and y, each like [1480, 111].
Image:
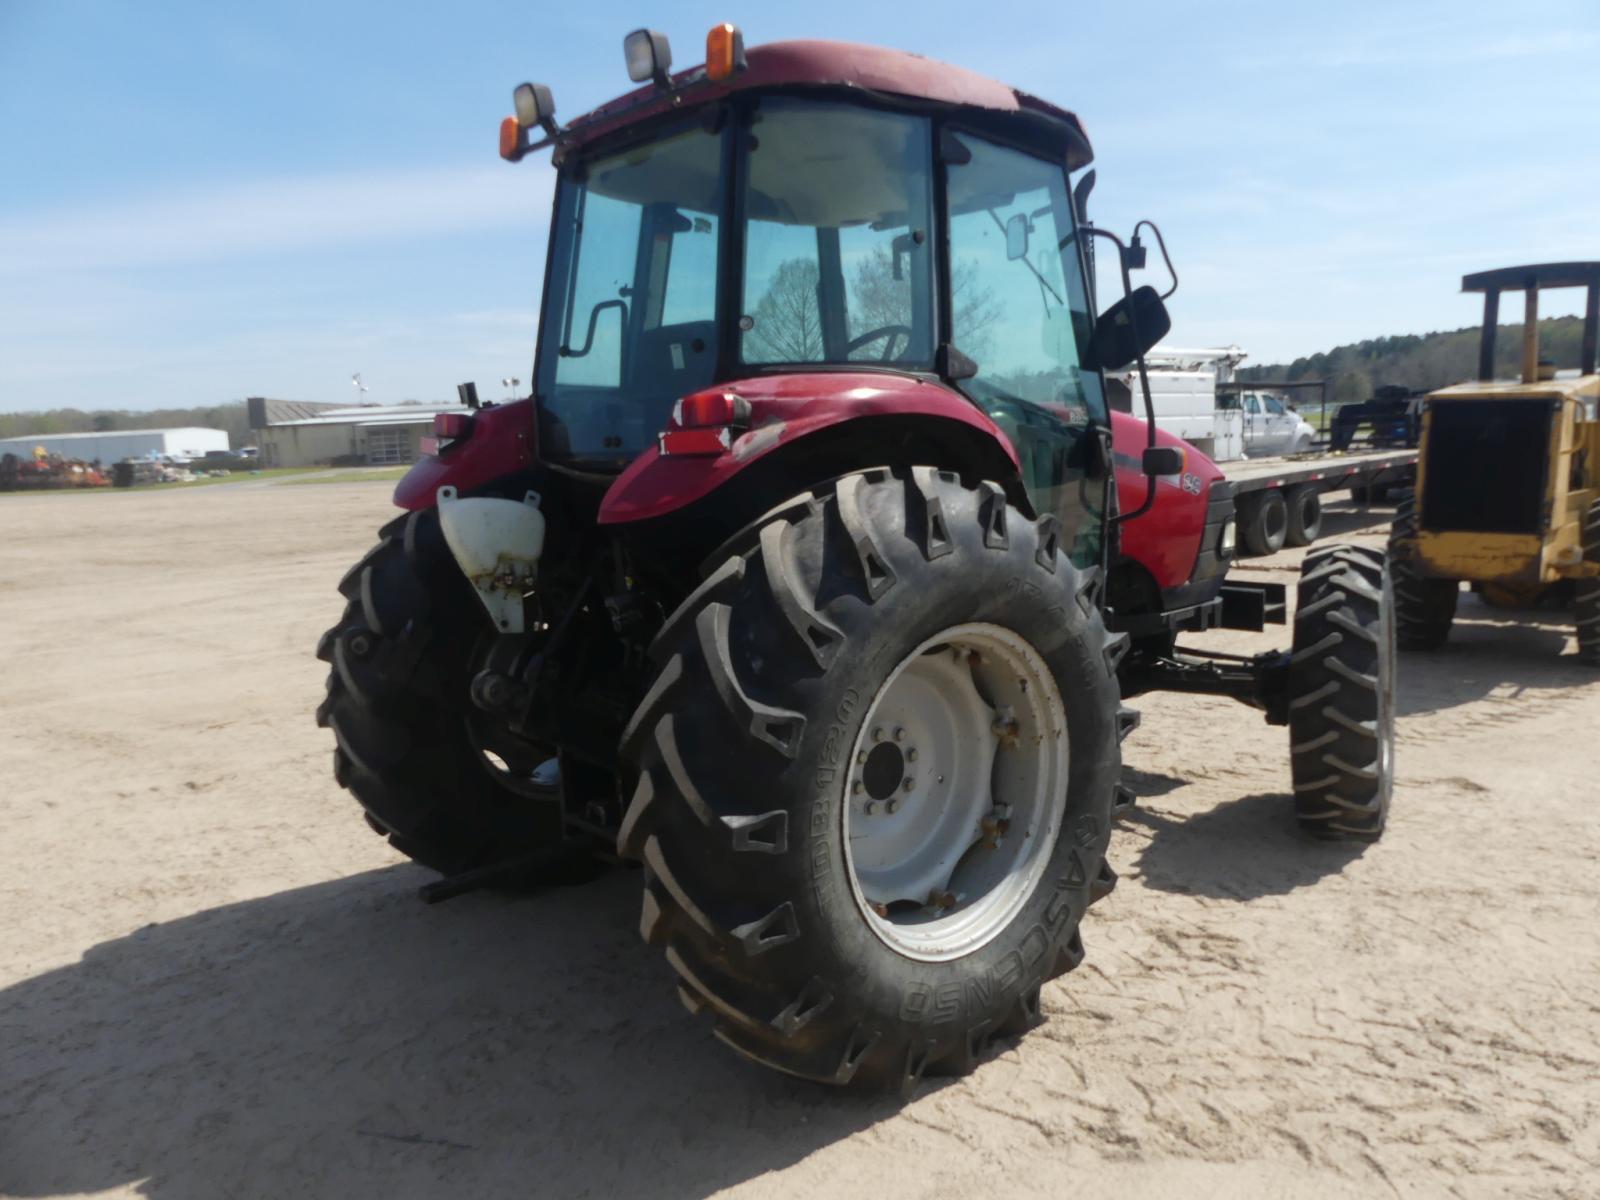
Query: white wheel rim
[955, 792]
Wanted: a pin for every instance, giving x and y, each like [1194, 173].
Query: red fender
[1166, 538]
[783, 409]
[501, 443]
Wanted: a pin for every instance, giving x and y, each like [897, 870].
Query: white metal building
[117, 444]
[301, 434]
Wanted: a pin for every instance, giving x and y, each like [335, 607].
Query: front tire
[759, 747]
[1341, 693]
[430, 771]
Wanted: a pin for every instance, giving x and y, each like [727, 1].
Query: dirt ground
[216, 982]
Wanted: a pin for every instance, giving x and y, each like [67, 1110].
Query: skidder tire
[1341, 693]
[1263, 522]
[903, 641]
[409, 743]
[1587, 593]
[1304, 505]
[1424, 607]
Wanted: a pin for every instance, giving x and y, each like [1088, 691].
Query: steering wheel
[887, 332]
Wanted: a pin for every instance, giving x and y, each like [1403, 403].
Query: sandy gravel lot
[215, 982]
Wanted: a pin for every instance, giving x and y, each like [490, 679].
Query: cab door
[1255, 430]
[1265, 431]
[1282, 425]
[1020, 315]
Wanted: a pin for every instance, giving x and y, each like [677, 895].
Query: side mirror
[1163, 460]
[1016, 237]
[1129, 328]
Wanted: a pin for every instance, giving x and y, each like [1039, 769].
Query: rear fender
[831, 423]
[501, 444]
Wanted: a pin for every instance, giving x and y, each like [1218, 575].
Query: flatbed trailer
[1278, 500]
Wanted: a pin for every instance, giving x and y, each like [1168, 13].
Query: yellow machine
[1508, 478]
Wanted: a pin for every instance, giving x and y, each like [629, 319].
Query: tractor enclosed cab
[791, 581]
[1508, 480]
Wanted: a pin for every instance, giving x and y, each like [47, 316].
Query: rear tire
[1304, 515]
[749, 773]
[409, 743]
[1341, 693]
[1424, 607]
[1263, 522]
[1586, 607]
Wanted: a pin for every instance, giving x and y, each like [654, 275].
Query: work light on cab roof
[648, 55]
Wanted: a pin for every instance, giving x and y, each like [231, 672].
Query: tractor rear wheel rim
[955, 792]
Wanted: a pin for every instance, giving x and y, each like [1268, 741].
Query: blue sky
[204, 201]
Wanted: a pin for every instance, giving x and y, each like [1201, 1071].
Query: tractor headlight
[649, 55]
[533, 104]
[1228, 538]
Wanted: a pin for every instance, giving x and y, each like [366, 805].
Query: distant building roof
[366, 414]
[266, 414]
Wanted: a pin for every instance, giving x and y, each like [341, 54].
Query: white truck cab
[1226, 427]
[1272, 427]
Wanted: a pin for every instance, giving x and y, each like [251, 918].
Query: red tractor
[800, 578]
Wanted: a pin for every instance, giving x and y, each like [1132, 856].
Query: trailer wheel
[1341, 693]
[1304, 517]
[1263, 522]
[1587, 598]
[875, 779]
[431, 771]
[1424, 607]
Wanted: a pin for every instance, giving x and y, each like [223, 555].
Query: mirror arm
[1144, 378]
[1165, 257]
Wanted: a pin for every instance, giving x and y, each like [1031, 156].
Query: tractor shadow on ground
[1492, 651]
[343, 1039]
[1240, 850]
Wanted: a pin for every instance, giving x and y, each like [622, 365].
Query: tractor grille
[1486, 465]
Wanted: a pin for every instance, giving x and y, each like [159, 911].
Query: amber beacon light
[724, 51]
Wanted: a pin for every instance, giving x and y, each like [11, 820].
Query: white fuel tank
[497, 544]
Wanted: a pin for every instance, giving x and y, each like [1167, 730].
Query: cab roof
[827, 64]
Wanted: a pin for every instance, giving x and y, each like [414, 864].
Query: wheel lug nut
[870, 807]
[861, 759]
[907, 784]
[899, 735]
[893, 806]
[911, 754]
[877, 734]
[855, 787]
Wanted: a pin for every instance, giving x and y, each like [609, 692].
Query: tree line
[230, 417]
[1423, 362]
